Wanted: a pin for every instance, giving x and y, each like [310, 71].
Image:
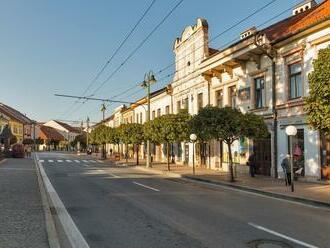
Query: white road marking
[50, 161]
[92, 161]
[68, 160]
[113, 175]
[145, 186]
[41, 160]
[100, 161]
[77, 161]
[282, 236]
[60, 161]
[85, 161]
[70, 229]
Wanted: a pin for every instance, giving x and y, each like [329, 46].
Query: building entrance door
[262, 152]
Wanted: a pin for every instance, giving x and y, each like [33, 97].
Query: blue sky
[49, 47]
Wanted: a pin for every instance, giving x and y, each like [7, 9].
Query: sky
[58, 47]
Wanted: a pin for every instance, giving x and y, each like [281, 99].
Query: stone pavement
[21, 211]
[306, 192]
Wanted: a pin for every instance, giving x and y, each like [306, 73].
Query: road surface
[122, 207]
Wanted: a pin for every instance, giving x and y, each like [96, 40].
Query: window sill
[259, 109]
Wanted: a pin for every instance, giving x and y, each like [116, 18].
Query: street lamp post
[103, 109]
[291, 131]
[87, 132]
[193, 138]
[149, 79]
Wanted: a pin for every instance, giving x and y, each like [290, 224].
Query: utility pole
[103, 109]
[149, 78]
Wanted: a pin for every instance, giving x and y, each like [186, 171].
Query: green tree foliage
[28, 141]
[227, 124]
[39, 141]
[318, 102]
[132, 133]
[82, 139]
[168, 129]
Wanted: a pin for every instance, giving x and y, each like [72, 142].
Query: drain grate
[268, 243]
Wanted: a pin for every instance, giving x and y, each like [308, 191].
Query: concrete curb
[52, 235]
[3, 160]
[66, 224]
[306, 201]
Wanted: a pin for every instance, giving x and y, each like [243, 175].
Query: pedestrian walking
[28, 151]
[252, 164]
[286, 169]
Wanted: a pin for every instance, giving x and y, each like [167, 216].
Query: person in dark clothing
[252, 164]
[286, 169]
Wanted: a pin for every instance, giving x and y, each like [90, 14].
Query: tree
[39, 141]
[132, 133]
[82, 139]
[113, 137]
[168, 129]
[227, 124]
[317, 104]
[28, 141]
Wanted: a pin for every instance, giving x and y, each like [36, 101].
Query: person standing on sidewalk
[286, 169]
[252, 164]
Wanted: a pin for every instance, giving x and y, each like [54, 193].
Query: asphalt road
[124, 207]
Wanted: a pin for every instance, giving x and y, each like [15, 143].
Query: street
[116, 206]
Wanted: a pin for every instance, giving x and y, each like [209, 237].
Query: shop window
[295, 81]
[259, 92]
[298, 152]
[186, 104]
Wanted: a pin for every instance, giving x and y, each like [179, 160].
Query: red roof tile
[298, 23]
[49, 133]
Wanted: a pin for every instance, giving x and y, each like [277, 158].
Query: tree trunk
[137, 154]
[119, 151]
[168, 155]
[230, 163]
[126, 153]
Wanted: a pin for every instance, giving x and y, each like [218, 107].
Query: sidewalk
[305, 192]
[21, 211]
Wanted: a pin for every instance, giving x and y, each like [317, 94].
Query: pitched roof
[68, 127]
[49, 133]
[14, 114]
[297, 23]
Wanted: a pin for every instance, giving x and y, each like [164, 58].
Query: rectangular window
[137, 118]
[298, 151]
[186, 104]
[295, 82]
[159, 112]
[199, 101]
[219, 98]
[167, 109]
[141, 118]
[232, 96]
[259, 92]
[153, 115]
[178, 106]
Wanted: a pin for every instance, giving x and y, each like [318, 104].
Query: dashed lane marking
[68, 160]
[50, 161]
[41, 160]
[77, 161]
[60, 161]
[147, 187]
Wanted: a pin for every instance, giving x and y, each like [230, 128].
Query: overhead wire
[128, 35]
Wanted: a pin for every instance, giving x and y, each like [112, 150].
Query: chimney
[306, 5]
[248, 32]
